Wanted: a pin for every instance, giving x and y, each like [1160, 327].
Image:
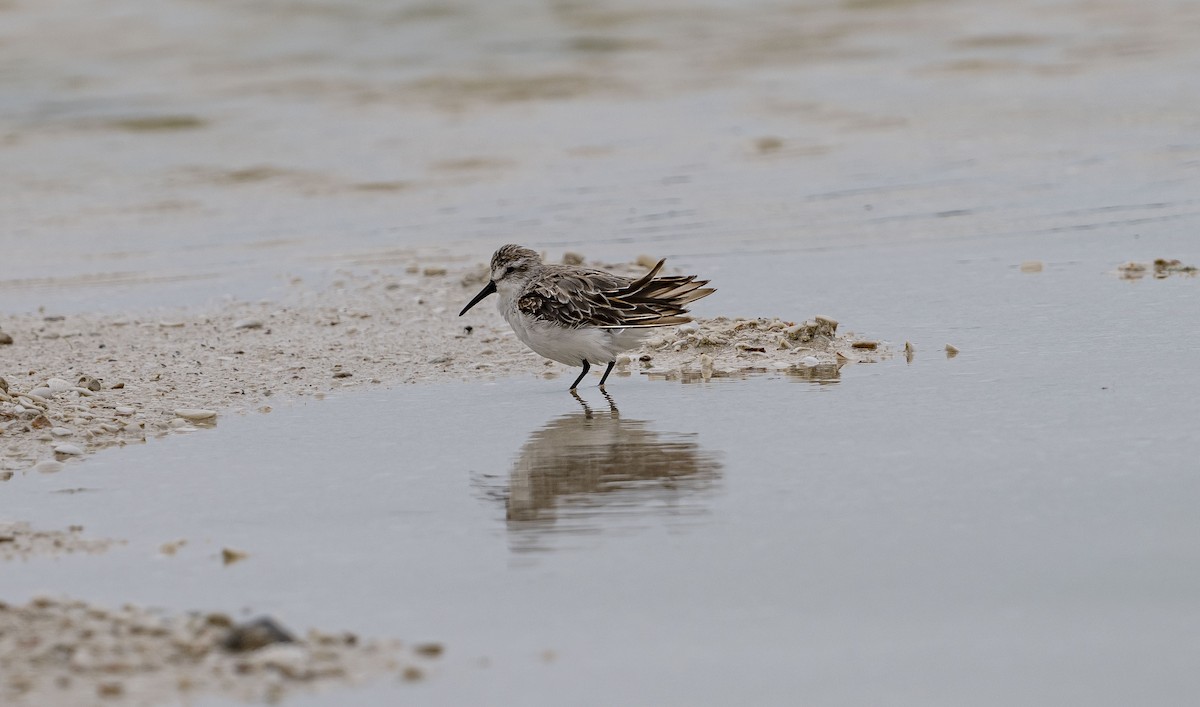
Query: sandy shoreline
[21, 541]
[63, 652]
[76, 384]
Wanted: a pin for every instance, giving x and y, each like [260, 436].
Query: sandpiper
[580, 316]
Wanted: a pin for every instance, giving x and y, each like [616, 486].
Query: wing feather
[575, 298]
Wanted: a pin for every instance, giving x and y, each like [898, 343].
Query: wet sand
[76, 384]
[180, 370]
[20, 541]
[58, 652]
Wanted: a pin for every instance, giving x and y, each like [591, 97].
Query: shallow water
[1012, 525]
[1015, 525]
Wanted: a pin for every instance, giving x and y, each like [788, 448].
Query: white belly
[572, 346]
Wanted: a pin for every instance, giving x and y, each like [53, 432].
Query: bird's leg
[606, 372]
[586, 367]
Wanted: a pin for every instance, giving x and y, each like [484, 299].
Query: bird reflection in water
[592, 469]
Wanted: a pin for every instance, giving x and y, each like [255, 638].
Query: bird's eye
[508, 270]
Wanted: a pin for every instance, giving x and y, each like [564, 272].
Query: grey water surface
[171, 153]
[1013, 525]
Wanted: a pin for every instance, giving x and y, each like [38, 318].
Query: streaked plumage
[577, 315]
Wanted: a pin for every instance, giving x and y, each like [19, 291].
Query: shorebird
[580, 316]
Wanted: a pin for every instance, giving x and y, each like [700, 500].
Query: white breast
[569, 346]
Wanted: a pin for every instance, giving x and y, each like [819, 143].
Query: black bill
[488, 289]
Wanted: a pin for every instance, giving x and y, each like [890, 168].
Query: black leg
[586, 367]
[606, 372]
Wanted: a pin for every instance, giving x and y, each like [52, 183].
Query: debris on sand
[726, 346]
[135, 379]
[252, 635]
[68, 652]
[20, 541]
[1164, 268]
[1132, 270]
[230, 556]
[1161, 268]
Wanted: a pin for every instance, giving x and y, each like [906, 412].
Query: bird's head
[510, 265]
[513, 262]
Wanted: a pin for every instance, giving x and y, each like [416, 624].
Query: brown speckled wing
[575, 298]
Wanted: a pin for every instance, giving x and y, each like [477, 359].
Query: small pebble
[89, 382]
[248, 324]
[412, 674]
[68, 449]
[58, 385]
[195, 414]
[768, 144]
[42, 392]
[124, 411]
[255, 634]
[60, 432]
[48, 466]
[5, 339]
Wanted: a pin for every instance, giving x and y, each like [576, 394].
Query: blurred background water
[174, 151]
[1007, 527]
